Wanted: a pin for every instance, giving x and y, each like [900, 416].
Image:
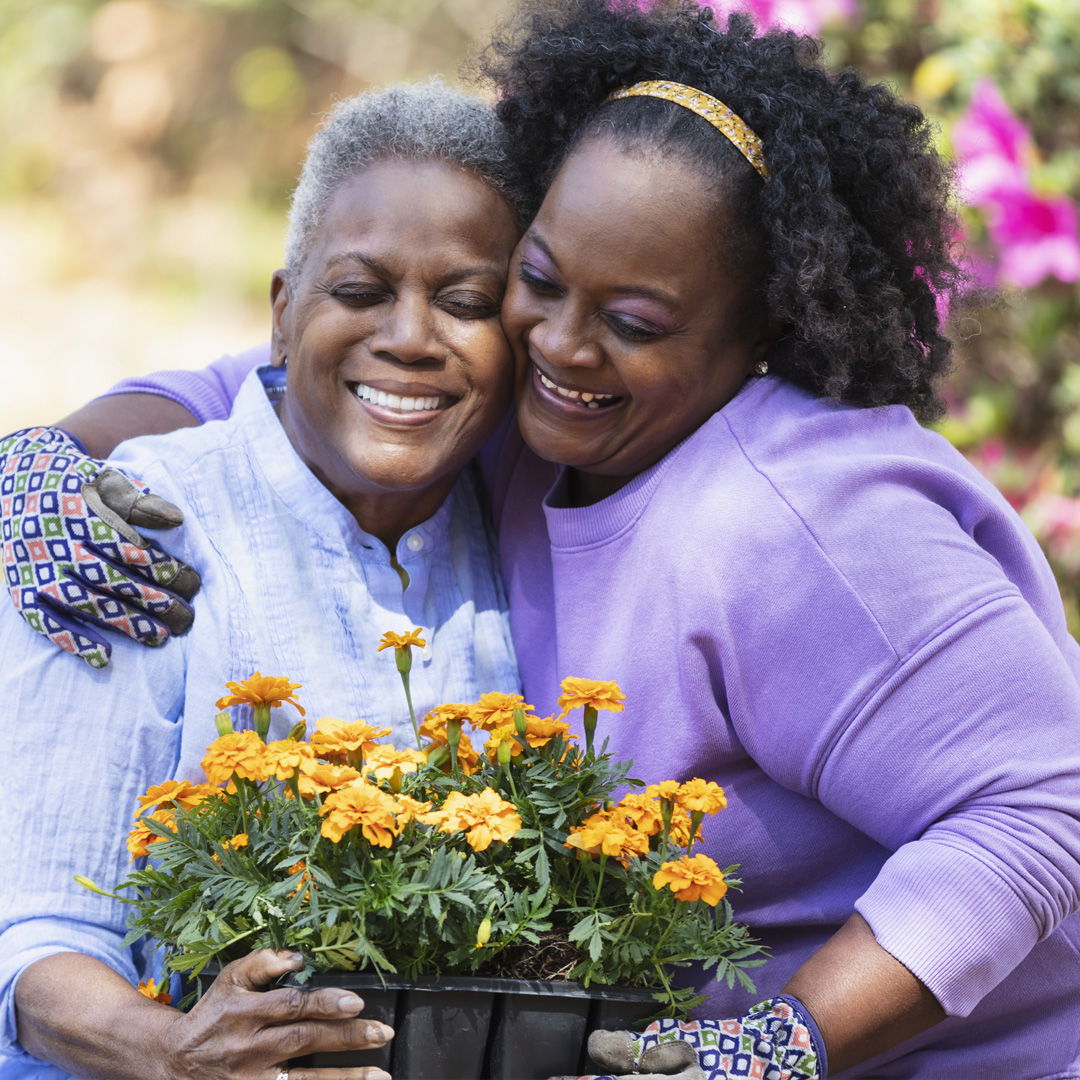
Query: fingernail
[349, 1003]
[296, 958]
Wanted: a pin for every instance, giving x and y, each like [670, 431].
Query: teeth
[394, 401]
[594, 401]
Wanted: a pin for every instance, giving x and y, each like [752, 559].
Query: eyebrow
[457, 274]
[665, 299]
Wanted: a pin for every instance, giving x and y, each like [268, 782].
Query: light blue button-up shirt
[291, 586]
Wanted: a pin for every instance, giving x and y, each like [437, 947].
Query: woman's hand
[240, 1031]
[772, 1040]
[76, 1012]
[72, 558]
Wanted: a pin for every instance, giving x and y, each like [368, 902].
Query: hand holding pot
[775, 1038]
[241, 1031]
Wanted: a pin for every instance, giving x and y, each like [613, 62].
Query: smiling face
[398, 365]
[628, 331]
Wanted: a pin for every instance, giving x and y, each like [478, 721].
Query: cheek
[517, 311]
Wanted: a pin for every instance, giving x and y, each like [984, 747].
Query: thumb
[121, 503]
[613, 1051]
[259, 969]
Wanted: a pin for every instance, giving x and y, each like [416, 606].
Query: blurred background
[147, 148]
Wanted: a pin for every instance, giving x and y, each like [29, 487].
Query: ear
[281, 314]
[770, 329]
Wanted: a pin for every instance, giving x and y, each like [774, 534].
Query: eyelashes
[627, 328]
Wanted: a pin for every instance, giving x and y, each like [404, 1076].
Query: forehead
[638, 207]
[413, 210]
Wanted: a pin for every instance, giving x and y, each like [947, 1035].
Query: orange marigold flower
[364, 805]
[540, 730]
[269, 690]
[496, 710]
[641, 811]
[694, 877]
[701, 797]
[666, 789]
[321, 776]
[241, 753]
[142, 836]
[345, 740]
[238, 841]
[680, 828]
[500, 735]
[301, 869]
[434, 724]
[285, 756]
[600, 835]
[467, 756]
[390, 640]
[600, 695]
[484, 818]
[150, 989]
[383, 760]
[176, 793]
[409, 809]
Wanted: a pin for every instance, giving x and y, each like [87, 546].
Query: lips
[582, 399]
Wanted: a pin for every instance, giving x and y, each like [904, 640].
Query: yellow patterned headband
[708, 108]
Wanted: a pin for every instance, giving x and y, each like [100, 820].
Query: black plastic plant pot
[462, 1028]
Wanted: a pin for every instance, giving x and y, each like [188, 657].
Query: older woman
[724, 327]
[345, 512]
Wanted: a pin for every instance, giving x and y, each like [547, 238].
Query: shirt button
[415, 542]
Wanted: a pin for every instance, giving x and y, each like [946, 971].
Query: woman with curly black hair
[725, 326]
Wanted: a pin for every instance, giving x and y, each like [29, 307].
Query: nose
[406, 332]
[562, 338]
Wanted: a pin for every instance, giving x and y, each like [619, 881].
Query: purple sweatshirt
[832, 614]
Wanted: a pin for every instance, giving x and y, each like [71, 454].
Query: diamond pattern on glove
[67, 570]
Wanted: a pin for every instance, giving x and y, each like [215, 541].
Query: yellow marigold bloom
[301, 869]
[364, 805]
[498, 736]
[694, 877]
[484, 818]
[269, 690]
[680, 828]
[600, 695]
[321, 776]
[239, 752]
[284, 757]
[666, 789]
[150, 989]
[467, 756]
[434, 724]
[383, 760]
[238, 841]
[345, 740]
[141, 837]
[540, 730]
[409, 809]
[701, 797]
[642, 811]
[175, 793]
[390, 640]
[600, 835]
[496, 710]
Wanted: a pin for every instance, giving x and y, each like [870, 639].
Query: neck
[584, 489]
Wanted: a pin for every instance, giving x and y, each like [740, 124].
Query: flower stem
[590, 730]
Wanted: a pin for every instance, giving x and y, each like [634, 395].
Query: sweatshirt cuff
[950, 919]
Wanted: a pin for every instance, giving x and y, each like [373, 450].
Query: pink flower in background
[805, 16]
[992, 145]
[1039, 237]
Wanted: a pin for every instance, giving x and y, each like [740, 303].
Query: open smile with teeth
[396, 401]
[593, 401]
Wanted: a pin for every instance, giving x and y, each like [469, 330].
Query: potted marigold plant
[485, 855]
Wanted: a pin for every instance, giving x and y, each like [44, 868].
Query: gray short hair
[426, 121]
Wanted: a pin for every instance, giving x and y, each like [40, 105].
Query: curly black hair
[855, 228]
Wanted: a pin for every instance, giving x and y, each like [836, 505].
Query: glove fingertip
[186, 583]
[154, 512]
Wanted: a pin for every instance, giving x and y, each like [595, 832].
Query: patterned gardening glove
[72, 558]
[775, 1040]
